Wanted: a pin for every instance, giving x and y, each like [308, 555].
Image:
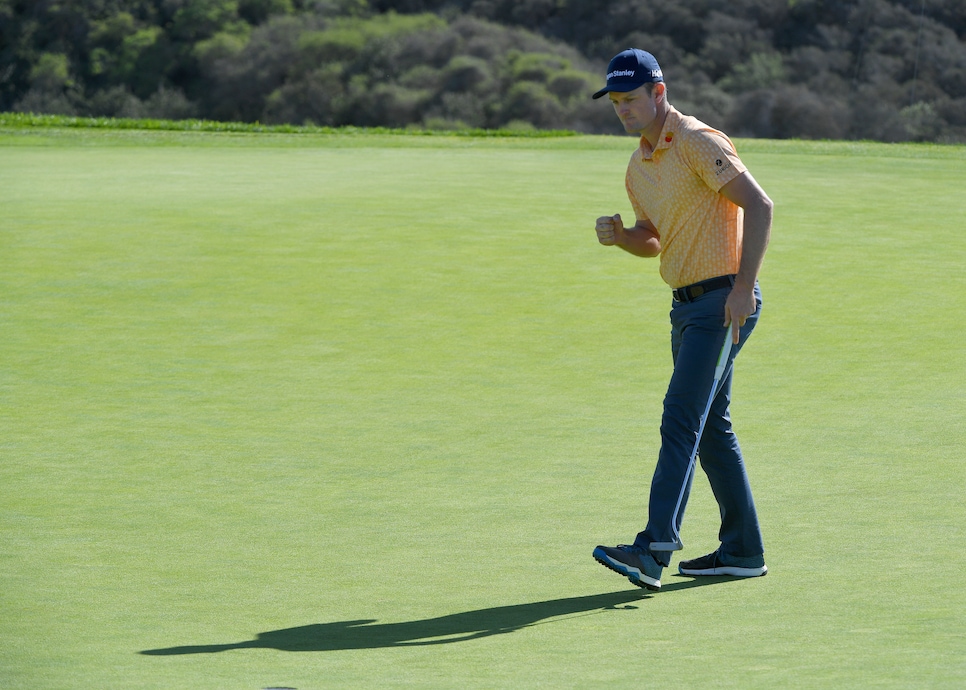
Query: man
[702, 212]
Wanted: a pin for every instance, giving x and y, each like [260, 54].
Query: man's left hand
[740, 305]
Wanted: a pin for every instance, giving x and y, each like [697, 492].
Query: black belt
[689, 293]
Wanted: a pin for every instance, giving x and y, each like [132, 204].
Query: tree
[886, 69]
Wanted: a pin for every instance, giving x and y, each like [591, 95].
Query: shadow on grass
[458, 627]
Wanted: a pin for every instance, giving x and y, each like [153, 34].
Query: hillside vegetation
[870, 69]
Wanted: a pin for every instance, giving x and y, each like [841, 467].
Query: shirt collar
[667, 135]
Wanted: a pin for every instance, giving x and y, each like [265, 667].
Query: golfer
[701, 211]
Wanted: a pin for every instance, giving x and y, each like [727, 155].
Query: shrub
[317, 99]
[569, 84]
[760, 71]
[255, 12]
[332, 45]
[52, 88]
[538, 67]
[465, 73]
[116, 101]
[473, 110]
[533, 103]
[921, 121]
[169, 103]
[787, 112]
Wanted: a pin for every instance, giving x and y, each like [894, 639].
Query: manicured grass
[314, 410]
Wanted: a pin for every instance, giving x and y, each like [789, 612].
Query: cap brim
[620, 88]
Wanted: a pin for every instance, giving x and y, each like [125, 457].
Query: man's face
[636, 109]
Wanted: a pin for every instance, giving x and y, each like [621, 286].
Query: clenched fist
[609, 229]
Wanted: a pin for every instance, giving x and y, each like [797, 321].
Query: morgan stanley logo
[655, 73]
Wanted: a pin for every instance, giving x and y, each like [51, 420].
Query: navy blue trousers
[697, 334]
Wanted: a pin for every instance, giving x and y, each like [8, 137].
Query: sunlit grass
[283, 411]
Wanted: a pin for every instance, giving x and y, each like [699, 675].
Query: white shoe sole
[733, 571]
[631, 573]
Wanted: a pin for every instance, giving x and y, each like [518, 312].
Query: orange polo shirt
[675, 186]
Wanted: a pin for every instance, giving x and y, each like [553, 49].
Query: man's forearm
[755, 238]
[640, 240]
[744, 191]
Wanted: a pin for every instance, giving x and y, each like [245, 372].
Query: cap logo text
[655, 73]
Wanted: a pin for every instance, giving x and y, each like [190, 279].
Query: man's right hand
[609, 229]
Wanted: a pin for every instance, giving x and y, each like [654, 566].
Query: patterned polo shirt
[675, 186]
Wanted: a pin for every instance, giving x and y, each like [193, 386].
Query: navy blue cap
[630, 69]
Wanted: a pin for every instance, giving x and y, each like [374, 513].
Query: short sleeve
[713, 158]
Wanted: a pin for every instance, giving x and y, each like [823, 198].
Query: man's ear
[659, 91]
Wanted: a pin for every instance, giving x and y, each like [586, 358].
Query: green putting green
[322, 410]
